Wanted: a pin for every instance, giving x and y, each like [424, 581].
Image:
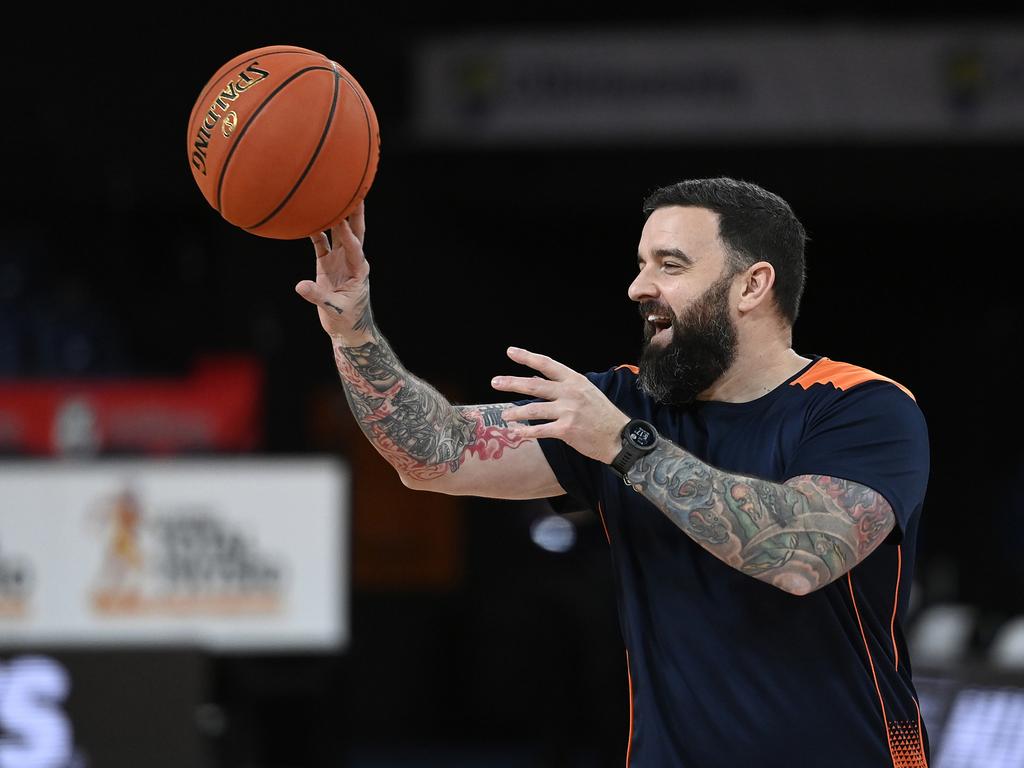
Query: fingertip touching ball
[283, 142]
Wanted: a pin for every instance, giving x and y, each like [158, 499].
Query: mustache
[648, 308]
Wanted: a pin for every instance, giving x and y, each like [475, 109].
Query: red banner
[218, 407]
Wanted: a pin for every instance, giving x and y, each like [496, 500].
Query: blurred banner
[842, 82]
[217, 407]
[101, 710]
[229, 555]
[974, 720]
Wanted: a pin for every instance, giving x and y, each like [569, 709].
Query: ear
[757, 282]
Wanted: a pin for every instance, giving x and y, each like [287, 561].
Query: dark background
[112, 264]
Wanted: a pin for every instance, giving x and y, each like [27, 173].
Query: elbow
[799, 590]
[796, 584]
[418, 484]
[409, 481]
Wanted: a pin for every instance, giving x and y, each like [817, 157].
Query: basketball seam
[312, 160]
[369, 150]
[249, 122]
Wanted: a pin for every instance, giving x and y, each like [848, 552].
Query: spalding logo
[247, 78]
[230, 121]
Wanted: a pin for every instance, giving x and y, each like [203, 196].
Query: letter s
[37, 732]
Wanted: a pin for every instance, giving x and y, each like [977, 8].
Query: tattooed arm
[797, 536]
[431, 443]
[434, 445]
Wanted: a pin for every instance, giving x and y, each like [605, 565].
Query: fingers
[314, 294]
[553, 369]
[351, 248]
[321, 244]
[545, 411]
[326, 263]
[532, 433]
[308, 290]
[357, 220]
[534, 385]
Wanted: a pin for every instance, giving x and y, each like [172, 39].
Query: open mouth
[658, 324]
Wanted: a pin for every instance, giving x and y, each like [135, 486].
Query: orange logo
[15, 582]
[184, 561]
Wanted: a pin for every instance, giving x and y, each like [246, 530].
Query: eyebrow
[668, 253]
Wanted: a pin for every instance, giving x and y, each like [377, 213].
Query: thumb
[309, 290]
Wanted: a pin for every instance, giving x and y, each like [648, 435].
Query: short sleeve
[873, 434]
[577, 474]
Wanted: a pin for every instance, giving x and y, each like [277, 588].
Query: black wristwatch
[639, 438]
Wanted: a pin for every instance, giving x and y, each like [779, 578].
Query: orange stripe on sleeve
[600, 514]
[842, 376]
[906, 744]
[632, 368]
[871, 663]
[895, 602]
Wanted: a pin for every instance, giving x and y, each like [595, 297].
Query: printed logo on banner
[34, 729]
[15, 585]
[979, 76]
[480, 80]
[180, 560]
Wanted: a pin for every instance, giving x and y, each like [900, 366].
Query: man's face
[683, 292]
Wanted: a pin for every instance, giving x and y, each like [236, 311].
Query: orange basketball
[283, 142]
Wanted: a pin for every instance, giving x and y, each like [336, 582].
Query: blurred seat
[941, 634]
[1007, 649]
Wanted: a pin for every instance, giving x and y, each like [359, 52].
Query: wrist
[615, 441]
[351, 340]
[638, 438]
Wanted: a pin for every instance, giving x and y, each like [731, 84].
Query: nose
[642, 287]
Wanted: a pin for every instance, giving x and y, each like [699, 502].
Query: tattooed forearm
[364, 321]
[797, 536]
[409, 422]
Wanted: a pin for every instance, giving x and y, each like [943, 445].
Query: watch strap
[631, 452]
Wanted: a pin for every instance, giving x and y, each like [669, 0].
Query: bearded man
[762, 506]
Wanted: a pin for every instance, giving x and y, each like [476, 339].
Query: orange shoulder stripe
[843, 376]
[633, 368]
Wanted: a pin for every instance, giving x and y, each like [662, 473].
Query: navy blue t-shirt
[726, 670]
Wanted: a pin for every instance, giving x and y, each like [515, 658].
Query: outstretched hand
[579, 412]
[341, 291]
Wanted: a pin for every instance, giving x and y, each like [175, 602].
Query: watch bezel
[631, 450]
[648, 428]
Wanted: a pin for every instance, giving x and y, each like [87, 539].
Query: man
[762, 506]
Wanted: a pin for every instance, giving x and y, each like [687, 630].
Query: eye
[672, 265]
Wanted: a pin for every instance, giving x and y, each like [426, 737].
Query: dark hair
[754, 224]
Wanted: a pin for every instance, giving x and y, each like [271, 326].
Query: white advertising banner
[224, 554]
[961, 82]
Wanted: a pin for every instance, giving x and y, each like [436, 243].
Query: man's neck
[755, 373]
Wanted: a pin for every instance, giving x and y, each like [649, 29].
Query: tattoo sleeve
[797, 536]
[410, 423]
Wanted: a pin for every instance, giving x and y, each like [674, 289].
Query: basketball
[283, 142]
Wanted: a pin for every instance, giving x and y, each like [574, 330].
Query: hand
[341, 291]
[580, 413]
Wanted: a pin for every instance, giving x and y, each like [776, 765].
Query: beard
[702, 347]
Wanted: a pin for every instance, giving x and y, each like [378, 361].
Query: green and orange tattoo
[798, 535]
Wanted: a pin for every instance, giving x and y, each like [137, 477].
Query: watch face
[641, 436]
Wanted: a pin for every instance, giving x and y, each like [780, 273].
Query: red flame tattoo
[491, 442]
